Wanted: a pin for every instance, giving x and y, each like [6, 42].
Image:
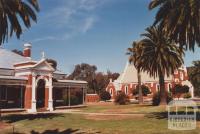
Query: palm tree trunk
[163, 98]
[139, 87]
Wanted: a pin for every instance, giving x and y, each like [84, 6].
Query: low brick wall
[92, 98]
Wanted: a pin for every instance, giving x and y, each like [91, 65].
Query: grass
[128, 109]
[154, 121]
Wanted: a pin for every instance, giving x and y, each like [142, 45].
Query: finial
[43, 55]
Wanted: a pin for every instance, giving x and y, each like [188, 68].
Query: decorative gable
[43, 65]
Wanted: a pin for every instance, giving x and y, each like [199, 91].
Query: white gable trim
[44, 61]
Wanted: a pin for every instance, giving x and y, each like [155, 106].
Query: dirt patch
[120, 111]
[113, 117]
[3, 125]
[101, 103]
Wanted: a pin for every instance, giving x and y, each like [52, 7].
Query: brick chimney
[27, 50]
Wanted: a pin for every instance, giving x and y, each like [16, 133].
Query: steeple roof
[129, 75]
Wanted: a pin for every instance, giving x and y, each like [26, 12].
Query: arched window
[111, 92]
[126, 89]
[169, 87]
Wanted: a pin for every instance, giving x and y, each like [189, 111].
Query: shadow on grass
[164, 115]
[56, 131]
[67, 131]
[18, 117]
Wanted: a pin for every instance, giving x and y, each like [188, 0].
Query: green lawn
[131, 108]
[153, 120]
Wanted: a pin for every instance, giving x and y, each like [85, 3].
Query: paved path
[88, 113]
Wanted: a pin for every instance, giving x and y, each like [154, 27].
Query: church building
[33, 85]
[128, 80]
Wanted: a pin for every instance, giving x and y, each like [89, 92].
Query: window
[126, 89]
[157, 87]
[3, 93]
[151, 84]
[181, 75]
[169, 87]
[111, 92]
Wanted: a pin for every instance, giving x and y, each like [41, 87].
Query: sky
[97, 32]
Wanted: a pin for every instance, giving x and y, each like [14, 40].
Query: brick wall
[92, 97]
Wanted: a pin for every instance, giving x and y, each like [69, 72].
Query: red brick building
[127, 81]
[32, 85]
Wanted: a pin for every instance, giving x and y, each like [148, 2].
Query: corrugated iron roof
[8, 59]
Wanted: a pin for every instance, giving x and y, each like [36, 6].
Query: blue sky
[97, 32]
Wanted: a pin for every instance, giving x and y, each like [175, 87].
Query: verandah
[12, 93]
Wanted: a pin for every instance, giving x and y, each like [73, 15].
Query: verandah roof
[12, 80]
[70, 83]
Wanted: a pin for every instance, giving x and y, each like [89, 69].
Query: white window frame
[181, 76]
[126, 89]
[157, 87]
[111, 91]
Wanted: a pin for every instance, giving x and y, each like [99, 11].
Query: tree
[180, 20]
[85, 72]
[97, 81]
[194, 76]
[159, 57]
[11, 11]
[52, 62]
[110, 76]
[145, 90]
[19, 52]
[134, 54]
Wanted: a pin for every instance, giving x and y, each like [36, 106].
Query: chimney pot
[27, 50]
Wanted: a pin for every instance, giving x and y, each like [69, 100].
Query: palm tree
[11, 11]
[180, 20]
[134, 53]
[159, 57]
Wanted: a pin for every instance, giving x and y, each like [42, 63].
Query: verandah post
[69, 103]
[21, 96]
[83, 95]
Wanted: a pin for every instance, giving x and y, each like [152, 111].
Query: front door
[40, 97]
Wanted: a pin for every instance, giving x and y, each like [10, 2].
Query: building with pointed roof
[31, 85]
[128, 80]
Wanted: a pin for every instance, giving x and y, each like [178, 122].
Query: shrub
[122, 99]
[187, 95]
[145, 90]
[156, 98]
[179, 89]
[105, 95]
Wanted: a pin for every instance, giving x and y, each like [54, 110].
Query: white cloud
[90, 4]
[43, 38]
[74, 16]
[89, 22]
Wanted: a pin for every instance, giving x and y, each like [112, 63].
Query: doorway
[40, 94]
